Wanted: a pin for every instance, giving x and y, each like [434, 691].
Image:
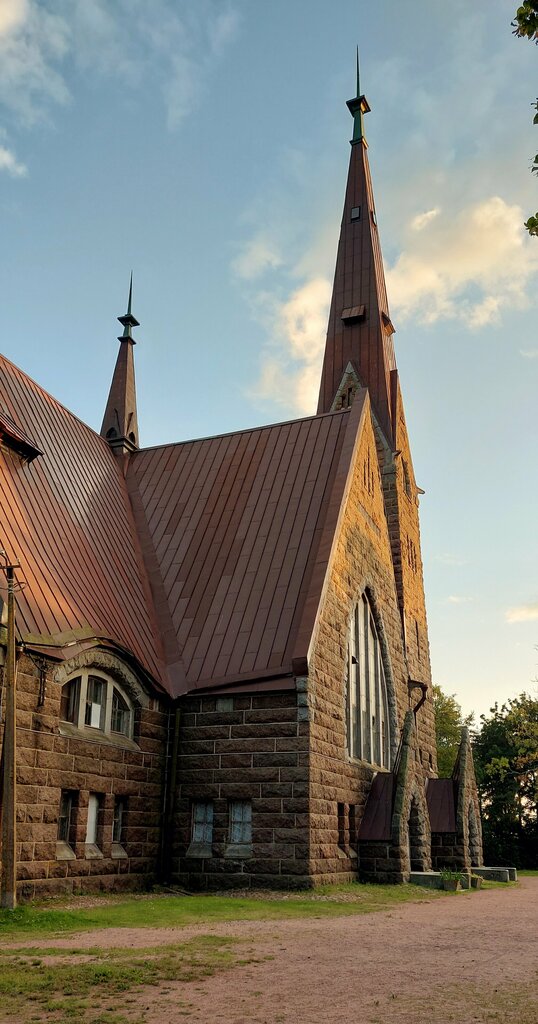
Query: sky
[204, 146]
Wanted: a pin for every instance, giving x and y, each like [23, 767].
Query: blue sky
[205, 145]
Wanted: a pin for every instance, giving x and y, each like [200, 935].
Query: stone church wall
[339, 786]
[251, 749]
[49, 763]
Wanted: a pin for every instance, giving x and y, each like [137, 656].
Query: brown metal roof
[68, 520]
[441, 799]
[377, 820]
[231, 528]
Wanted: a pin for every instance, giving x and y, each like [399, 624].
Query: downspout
[169, 794]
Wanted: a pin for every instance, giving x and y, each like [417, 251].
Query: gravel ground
[468, 958]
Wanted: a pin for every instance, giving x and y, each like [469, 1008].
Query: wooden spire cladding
[359, 330]
[120, 423]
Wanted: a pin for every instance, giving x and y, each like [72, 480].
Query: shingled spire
[120, 424]
[359, 336]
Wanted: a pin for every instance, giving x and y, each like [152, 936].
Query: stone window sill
[92, 852]
[64, 851]
[201, 850]
[118, 852]
[88, 734]
[238, 851]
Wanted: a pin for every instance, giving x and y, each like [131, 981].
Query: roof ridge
[241, 430]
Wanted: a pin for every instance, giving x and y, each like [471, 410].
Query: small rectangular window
[120, 720]
[65, 816]
[241, 822]
[69, 701]
[93, 822]
[353, 826]
[356, 213]
[342, 826]
[202, 822]
[95, 703]
[118, 821]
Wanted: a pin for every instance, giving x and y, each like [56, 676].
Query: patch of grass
[527, 871]
[171, 911]
[93, 989]
[469, 1001]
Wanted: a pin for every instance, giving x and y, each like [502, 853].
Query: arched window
[367, 706]
[95, 702]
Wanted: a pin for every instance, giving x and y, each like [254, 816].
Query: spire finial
[358, 106]
[128, 320]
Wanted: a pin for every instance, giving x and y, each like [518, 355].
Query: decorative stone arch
[110, 665]
[411, 833]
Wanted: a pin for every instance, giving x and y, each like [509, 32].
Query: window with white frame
[93, 820]
[368, 736]
[92, 701]
[240, 822]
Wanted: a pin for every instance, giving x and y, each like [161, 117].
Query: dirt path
[467, 958]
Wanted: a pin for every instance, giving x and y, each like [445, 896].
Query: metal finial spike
[358, 79]
[131, 289]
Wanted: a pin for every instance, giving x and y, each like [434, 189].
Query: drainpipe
[169, 796]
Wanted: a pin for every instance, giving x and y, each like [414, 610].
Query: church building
[221, 660]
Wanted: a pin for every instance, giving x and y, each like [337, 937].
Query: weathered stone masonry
[48, 762]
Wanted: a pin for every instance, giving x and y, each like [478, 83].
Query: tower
[120, 423]
[359, 352]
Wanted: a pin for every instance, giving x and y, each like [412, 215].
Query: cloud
[422, 219]
[10, 164]
[291, 362]
[255, 257]
[171, 44]
[522, 613]
[529, 353]
[468, 264]
[459, 599]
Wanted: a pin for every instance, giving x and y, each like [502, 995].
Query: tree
[449, 722]
[525, 26]
[506, 763]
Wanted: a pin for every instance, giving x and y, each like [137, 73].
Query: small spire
[128, 321]
[357, 107]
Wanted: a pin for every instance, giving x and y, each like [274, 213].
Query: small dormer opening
[132, 438]
[356, 213]
[111, 434]
[14, 439]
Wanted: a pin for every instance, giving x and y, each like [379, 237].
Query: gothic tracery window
[368, 736]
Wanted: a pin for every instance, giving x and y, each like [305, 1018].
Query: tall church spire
[359, 334]
[120, 424]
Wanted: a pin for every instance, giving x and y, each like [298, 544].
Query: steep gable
[67, 518]
[235, 525]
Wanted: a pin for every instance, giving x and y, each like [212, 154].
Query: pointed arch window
[367, 705]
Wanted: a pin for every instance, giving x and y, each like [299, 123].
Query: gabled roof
[206, 564]
[67, 519]
[238, 530]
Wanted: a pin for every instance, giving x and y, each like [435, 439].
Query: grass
[176, 911]
[94, 984]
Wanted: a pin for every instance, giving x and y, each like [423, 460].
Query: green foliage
[506, 763]
[449, 722]
[525, 24]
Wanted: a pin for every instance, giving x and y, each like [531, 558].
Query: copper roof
[441, 799]
[206, 564]
[377, 819]
[235, 525]
[67, 519]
